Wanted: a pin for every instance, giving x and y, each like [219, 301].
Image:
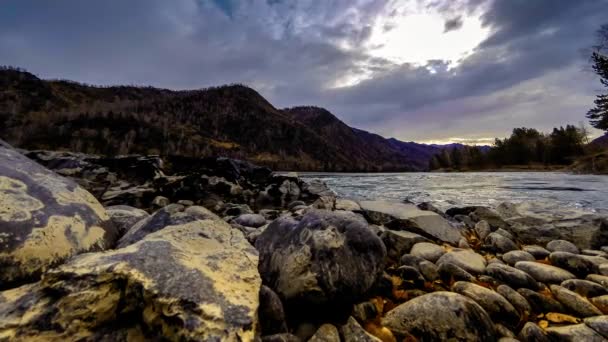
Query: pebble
[594, 252]
[482, 228]
[429, 270]
[600, 279]
[496, 305]
[499, 243]
[466, 259]
[517, 300]
[562, 246]
[537, 251]
[574, 302]
[514, 256]
[541, 303]
[511, 276]
[577, 264]
[585, 288]
[599, 324]
[601, 302]
[428, 251]
[544, 273]
[353, 332]
[326, 333]
[574, 333]
[531, 332]
[450, 272]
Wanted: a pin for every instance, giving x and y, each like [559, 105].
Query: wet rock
[466, 259]
[541, 303]
[271, 313]
[585, 288]
[601, 302]
[44, 220]
[513, 257]
[325, 258]
[574, 263]
[482, 228]
[196, 281]
[348, 205]
[544, 273]
[250, 220]
[600, 279]
[575, 303]
[408, 217]
[440, 316]
[599, 324]
[353, 332]
[400, 242]
[531, 332]
[160, 201]
[171, 215]
[428, 251]
[511, 276]
[517, 300]
[499, 244]
[428, 270]
[450, 272]
[562, 246]
[493, 303]
[124, 216]
[574, 333]
[285, 337]
[537, 251]
[326, 333]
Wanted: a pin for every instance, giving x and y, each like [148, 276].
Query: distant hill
[233, 121]
[601, 142]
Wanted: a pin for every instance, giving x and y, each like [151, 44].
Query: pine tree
[598, 116]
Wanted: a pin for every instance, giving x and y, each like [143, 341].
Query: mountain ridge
[231, 120]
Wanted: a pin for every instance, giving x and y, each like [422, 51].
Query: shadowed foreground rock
[196, 281]
[44, 219]
[326, 257]
[441, 316]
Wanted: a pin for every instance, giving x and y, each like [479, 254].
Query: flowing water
[551, 190]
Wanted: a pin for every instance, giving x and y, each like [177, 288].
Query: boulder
[544, 273]
[499, 243]
[574, 302]
[124, 216]
[326, 257]
[511, 276]
[196, 281]
[440, 316]
[513, 257]
[250, 220]
[403, 216]
[171, 215]
[493, 303]
[579, 265]
[574, 333]
[428, 251]
[466, 259]
[562, 246]
[44, 220]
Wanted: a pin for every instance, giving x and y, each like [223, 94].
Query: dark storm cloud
[292, 51]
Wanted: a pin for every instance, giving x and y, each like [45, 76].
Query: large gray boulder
[441, 316]
[326, 257]
[44, 219]
[192, 282]
[402, 216]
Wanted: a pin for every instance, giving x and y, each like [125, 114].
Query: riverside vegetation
[135, 248]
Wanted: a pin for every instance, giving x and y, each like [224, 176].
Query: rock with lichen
[44, 219]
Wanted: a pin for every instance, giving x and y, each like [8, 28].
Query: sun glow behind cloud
[417, 36]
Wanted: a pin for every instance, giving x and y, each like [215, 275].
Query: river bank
[141, 247]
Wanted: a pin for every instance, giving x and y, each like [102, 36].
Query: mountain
[233, 121]
[601, 142]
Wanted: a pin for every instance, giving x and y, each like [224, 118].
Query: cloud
[525, 72]
[452, 24]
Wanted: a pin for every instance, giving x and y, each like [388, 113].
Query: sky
[418, 70]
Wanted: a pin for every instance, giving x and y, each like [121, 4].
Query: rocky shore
[148, 248]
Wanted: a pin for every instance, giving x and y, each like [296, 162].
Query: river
[549, 190]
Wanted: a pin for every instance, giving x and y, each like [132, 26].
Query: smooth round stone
[541, 303]
[544, 273]
[575, 333]
[518, 301]
[531, 332]
[512, 276]
[505, 233]
[429, 270]
[514, 256]
[250, 220]
[575, 263]
[537, 251]
[450, 272]
[575, 303]
[499, 243]
[603, 269]
[441, 316]
[428, 251]
[496, 305]
[482, 228]
[410, 260]
[585, 288]
[412, 274]
[601, 302]
[562, 246]
[466, 259]
[326, 333]
[594, 252]
[600, 279]
[505, 332]
[353, 332]
[599, 324]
